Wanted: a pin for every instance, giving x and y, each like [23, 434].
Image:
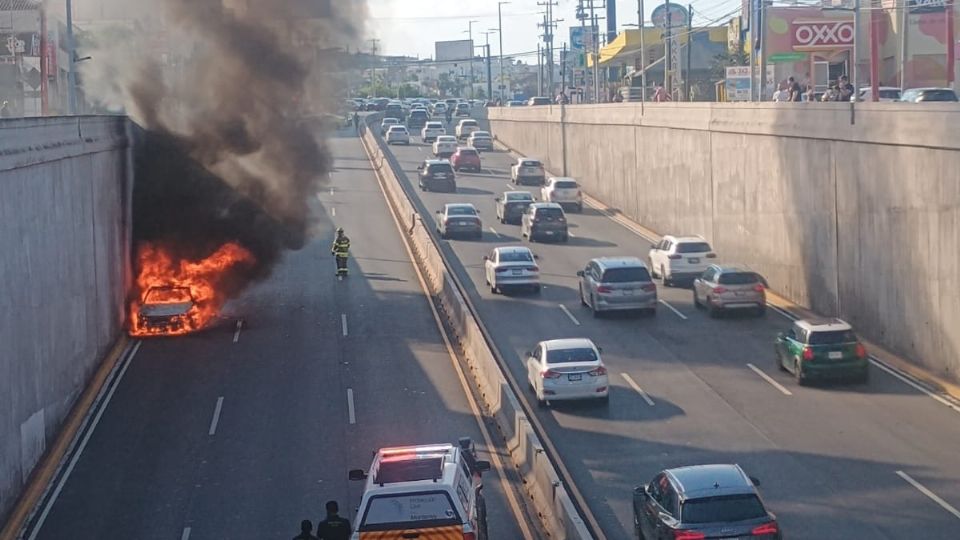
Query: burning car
[165, 309]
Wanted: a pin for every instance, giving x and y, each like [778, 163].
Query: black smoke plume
[228, 151]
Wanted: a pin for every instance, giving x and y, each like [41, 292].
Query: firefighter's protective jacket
[341, 246]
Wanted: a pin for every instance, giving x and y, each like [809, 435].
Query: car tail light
[711, 255]
[807, 353]
[766, 528]
[597, 371]
[603, 289]
[759, 287]
[861, 351]
[674, 257]
[501, 270]
[550, 374]
[469, 536]
[650, 287]
[533, 268]
[688, 535]
[719, 290]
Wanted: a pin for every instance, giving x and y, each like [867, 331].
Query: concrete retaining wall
[546, 492]
[64, 195]
[856, 215]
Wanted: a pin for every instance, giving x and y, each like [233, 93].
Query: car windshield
[727, 509]
[467, 152]
[440, 168]
[738, 278]
[515, 256]
[446, 139]
[565, 184]
[388, 121]
[831, 337]
[479, 134]
[461, 211]
[889, 94]
[519, 197]
[530, 163]
[549, 213]
[168, 295]
[693, 247]
[626, 275]
[431, 125]
[570, 356]
[434, 507]
[418, 113]
[469, 123]
[939, 95]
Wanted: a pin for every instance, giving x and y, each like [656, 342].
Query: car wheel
[864, 378]
[536, 289]
[580, 208]
[653, 271]
[583, 301]
[778, 360]
[761, 311]
[493, 289]
[696, 300]
[566, 238]
[798, 373]
[478, 235]
[663, 276]
[712, 310]
[593, 307]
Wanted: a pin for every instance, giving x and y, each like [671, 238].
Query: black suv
[417, 119]
[702, 502]
[437, 175]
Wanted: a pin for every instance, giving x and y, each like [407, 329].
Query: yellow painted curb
[43, 473]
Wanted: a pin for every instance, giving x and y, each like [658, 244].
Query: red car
[465, 158]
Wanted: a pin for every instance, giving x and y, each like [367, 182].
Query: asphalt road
[827, 457]
[159, 466]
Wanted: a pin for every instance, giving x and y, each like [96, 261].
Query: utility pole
[470, 34]
[44, 98]
[503, 86]
[487, 46]
[539, 70]
[874, 53]
[643, 53]
[686, 79]
[71, 61]
[549, 23]
[904, 13]
[373, 75]
[951, 44]
[763, 49]
[668, 49]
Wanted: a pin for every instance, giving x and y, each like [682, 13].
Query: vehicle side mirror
[482, 466]
[763, 280]
[579, 273]
[497, 199]
[419, 167]
[755, 481]
[535, 256]
[357, 474]
[486, 258]
[781, 336]
[599, 349]
[529, 354]
[640, 491]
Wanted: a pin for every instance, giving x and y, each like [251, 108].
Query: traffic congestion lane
[812, 429]
[241, 432]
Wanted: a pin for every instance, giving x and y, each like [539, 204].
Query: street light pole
[487, 46]
[502, 85]
[643, 53]
[71, 57]
[470, 34]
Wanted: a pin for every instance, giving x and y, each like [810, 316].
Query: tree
[728, 58]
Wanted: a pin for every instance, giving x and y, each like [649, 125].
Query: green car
[822, 349]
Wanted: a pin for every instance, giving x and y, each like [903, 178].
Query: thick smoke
[230, 149]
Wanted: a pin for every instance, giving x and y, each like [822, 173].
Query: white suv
[466, 127]
[432, 130]
[563, 191]
[678, 258]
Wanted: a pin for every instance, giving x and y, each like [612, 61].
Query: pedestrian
[660, 94]
[5, 111]
[334, 527]
[809, 95]
[778, 93]
[793, 89]
[306, 531]
[830, 94]
[844, 89]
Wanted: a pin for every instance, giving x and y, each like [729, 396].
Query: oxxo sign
[821, 34]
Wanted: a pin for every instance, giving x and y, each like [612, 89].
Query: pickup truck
[527, 171]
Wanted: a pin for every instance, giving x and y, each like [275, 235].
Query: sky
[410, 27]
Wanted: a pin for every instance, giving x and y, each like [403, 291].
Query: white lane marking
[419, 149]
[571, 235]
[933, 496]
[186, 534]
[636, 387]
[343, 323]
[216, 416]
[918, 386]
[567, 311]
[494, 231]
[783, 312]
[333, 212]
[236, 335]
[673, 309]
[351, 411]
[83, 443]
[331, 190]
[770, 380]
[511, 187]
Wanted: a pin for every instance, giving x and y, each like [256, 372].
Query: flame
[197, 284]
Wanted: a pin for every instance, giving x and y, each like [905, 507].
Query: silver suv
[617, 283]
[723, 288]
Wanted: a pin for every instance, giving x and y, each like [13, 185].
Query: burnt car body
[165, 309]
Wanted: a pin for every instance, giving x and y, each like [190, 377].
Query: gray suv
[544, 220]
[617, 284]
[723, 288]
[702, 501]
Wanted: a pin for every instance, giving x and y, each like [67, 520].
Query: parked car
[885, 93]
[617, 284]
[516, 103]
[398, 135]
[456, 219]
[822, 349]
[680, 258]
[538, 100]
[445, 146]
[481, 140]
[512, 205]
[511, 267]
[544, 220]
[563, 191]
[466, 127]
[724, 287]
[386, 123]
[437, 175]
[528, 171]
[432, 130]
[562, 369]
[924, 95]
[700, 502]
[466, 158]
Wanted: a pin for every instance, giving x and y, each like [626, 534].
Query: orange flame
[189, 294]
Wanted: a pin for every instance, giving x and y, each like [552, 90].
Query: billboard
[461, 49]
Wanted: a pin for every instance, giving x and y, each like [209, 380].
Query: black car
[417, 118]
[702, 502]
[437, 175]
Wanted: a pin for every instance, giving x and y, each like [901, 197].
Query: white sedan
[563, 191]
[510, 267]
[398, 135]
[445, 146]
[561, 369]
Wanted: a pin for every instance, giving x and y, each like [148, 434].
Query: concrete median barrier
[547, 491]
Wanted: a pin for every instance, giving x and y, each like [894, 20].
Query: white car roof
[513, 249]
[446, 138]
[390, 121]
[522, 159]
[527, 193]
[569, 343]
[397, 127]
[683, 239]
[480, 134]
[433, 124]
[563, 178]
[546, 205]
[823, 325]
[460, 205]
[467, 121]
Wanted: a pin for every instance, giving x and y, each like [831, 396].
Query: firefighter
[341, 250]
